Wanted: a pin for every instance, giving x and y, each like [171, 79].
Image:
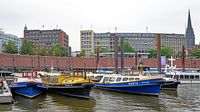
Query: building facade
[4, 38]
[141, 42]
[47, 38]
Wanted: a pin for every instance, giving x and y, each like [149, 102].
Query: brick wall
[9, 60]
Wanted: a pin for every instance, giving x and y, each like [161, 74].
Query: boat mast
[171, 63]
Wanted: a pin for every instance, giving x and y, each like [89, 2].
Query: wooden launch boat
[75, 85]
[28, 84]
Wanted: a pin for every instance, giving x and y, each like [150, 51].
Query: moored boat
[135, 83]
[5, 93]
[75, 85]
[28, 84]
[185, 77]
[169, 84]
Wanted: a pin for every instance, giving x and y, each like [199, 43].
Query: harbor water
[186, 98]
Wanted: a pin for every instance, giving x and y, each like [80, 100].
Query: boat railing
[30, 75]
[132, 72]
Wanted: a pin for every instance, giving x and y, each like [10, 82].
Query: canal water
[186, 98]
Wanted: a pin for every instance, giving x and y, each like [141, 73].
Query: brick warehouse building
[47, 38]
[24, 62]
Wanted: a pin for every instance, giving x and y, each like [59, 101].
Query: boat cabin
[185, 76]
[119, 78]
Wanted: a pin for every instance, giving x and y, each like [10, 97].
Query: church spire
[25, 28]
[189, 20]
[190, 37]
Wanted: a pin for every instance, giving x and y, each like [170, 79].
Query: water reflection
[169, 93]
[22, 103]
[114, 101]
[72, 104]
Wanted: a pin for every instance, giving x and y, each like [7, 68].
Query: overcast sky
[160, 16]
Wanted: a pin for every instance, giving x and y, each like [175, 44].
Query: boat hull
[170, 85]
[145, 87]
[5, 94]
[74, 90]
[28, 89]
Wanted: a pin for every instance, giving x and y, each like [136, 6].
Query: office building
[141, 42]
[4, 38]
[47, 38]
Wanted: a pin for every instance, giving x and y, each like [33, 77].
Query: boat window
[112, 79]
[196, 76]
[98, 78]
[118, 79]
[192, 77]
[106, 79]
[125, 79]
[137, 78]
[131, 79]
[181, 77]
[186, 76]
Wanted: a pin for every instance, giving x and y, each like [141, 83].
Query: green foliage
[153, 53]
[178, 54]
[42, 52]
[102, 50]
[57, 50]
[166, 51]
[10, 47]
[27, 47]
[195, 52]
[127, 47]
[82, 53]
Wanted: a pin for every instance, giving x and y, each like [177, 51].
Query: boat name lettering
[145, 82]
[133, 83]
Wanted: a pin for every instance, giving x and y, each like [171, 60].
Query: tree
[10, 47]
[195, 52]
[166, 51]
[42, 52]
[82, 53]
[57, 50]
[27, 47]
[127, 47]
[153, 53]
[101, 50]
[178, 54]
